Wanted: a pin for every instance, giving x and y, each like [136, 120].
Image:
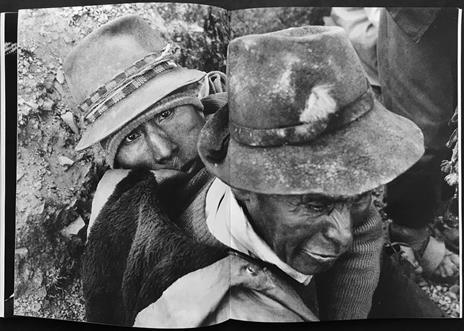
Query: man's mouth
[320, 257]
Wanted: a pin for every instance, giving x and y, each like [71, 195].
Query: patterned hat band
[305, 132]
[126, 82]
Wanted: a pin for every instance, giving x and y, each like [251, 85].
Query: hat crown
[293, 76]
[107, 52]
[302, 119]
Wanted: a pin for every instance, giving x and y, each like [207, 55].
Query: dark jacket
[136, 250]
[130, 236]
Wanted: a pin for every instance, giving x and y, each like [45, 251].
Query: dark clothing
[417, 58]
[134, 253]
[119, 278]
[118, 272]
[414, 197]
[399, 296]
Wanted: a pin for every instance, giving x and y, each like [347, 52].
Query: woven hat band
[305, 132]
[126, 82]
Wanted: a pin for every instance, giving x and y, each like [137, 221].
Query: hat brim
[139, 101]
[366, 153]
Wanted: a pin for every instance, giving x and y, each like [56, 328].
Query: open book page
[155, 191]
[56, 184]
[285, 75]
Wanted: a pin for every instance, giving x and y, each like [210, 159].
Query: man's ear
[201, 113]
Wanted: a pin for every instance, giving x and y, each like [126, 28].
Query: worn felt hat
[301, 119]
[118, 72]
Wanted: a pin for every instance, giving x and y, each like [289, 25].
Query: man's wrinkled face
[307, 232]
[167, 141]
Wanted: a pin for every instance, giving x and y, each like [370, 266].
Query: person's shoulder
[108, 185]
[111, 178]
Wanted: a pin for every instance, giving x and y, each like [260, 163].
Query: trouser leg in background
[417, 59]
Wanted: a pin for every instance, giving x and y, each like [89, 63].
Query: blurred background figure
[409, 56]
[410, 59]
[361, 24]
[417, 67]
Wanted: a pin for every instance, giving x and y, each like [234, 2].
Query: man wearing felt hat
[296, 152]
[146, 111]
[123, 74]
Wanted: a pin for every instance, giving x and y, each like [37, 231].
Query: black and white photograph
[181, 165]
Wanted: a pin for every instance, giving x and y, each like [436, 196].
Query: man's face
[167, 141]
[307, 232]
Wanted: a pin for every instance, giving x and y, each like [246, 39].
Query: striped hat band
[126, 82]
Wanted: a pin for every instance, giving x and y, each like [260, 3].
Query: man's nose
[159, 143]
[341, 229]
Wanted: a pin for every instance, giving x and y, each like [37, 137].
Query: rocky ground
[55, 184]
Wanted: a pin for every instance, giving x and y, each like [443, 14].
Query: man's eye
[317, 207]
[311, 207]
[131, 137]
[164, 115]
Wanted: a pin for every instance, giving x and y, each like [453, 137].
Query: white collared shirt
[227, 222]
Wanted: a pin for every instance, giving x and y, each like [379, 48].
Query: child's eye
[131, 137]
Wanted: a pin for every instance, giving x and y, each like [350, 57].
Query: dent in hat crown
[292, 76]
